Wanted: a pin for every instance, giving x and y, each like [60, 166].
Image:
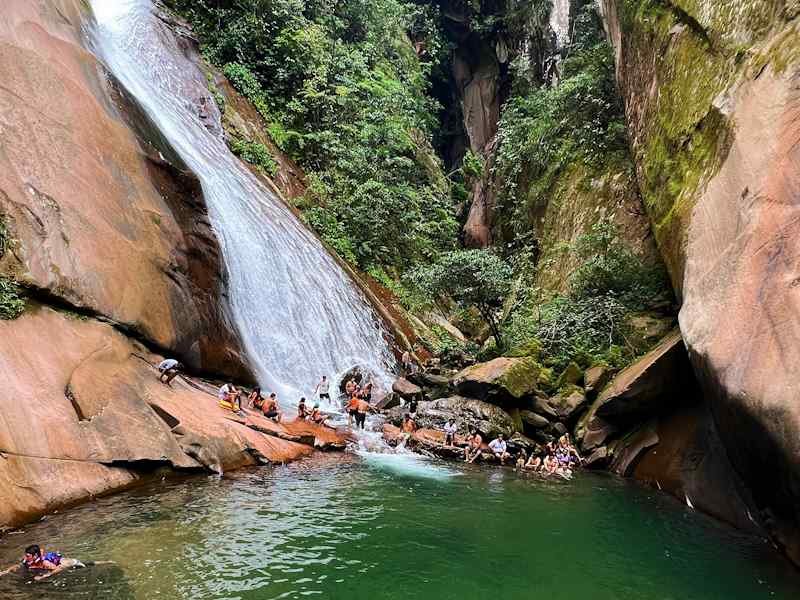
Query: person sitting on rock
[317, 416]
[168, 370]
[302, 410]
[549, 465]
[522, 458]
[255, 399]
[566, 448]
[229, 397]
[499, 448]
[270, 408]
[473, 449]
[450, 429]
[409, 425]
[534, 462]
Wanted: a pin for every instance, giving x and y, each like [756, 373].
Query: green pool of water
[398, 528]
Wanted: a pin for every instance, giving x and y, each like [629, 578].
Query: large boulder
[405, 389]
[660, 381]
[83, 413]
[533, 420]
[487, 418]
[502, 381]
[569, 402]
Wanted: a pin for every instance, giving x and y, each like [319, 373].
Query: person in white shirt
[323, 388]
[168, 369]
[499, 448]
[450, 429]
[229, 393]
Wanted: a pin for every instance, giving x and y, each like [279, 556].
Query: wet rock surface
[97, 223]
[84, 414]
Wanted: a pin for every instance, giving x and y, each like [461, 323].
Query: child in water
[46, 564]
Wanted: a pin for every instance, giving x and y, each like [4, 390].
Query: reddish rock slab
[98, 219]
[83, 413]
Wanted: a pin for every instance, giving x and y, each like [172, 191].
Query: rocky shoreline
[648, 421]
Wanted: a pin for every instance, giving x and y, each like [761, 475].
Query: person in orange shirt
[362, 408]
[352, 409]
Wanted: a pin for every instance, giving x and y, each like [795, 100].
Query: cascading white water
[559, 22]
[297, 311]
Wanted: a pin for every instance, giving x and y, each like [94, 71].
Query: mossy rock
[571, 376]
[504, 381]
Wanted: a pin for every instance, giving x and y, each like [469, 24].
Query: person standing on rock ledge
[450, 429]
[323, 388]
[168, 370]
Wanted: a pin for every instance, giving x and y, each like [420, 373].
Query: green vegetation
[590, 324]
[476, 278]
[544, 130]
[256, 154]
[11, 301]
[344, 91]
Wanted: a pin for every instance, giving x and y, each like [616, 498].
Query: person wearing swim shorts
[270, 408]
[323, 388]
[362, 408]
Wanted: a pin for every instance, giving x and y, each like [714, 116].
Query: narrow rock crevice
[46, 298]
[70, 395]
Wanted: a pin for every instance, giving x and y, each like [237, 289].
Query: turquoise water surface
[384, 526]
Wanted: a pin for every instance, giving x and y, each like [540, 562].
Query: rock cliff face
[98, 219]
[712, 100]
[108, 235]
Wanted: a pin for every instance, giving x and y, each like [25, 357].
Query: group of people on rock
[473, 451]
[557, 458]
[358, 404]
[230, 397]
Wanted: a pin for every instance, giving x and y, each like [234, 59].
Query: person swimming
[46, 564]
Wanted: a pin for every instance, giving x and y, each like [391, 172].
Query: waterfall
[298, 313]
[560, 22]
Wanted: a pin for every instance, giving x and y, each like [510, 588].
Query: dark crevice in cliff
[147, 465]
[70, 395]
[46, 298]
[168, 419]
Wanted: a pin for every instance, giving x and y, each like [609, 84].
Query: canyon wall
[107, 235]
[711, 98]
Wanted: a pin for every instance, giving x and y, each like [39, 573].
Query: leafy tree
[344, 89]
[476, 278]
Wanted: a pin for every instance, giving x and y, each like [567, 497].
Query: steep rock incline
[712, 104]
[83, 413]
[98, 219]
